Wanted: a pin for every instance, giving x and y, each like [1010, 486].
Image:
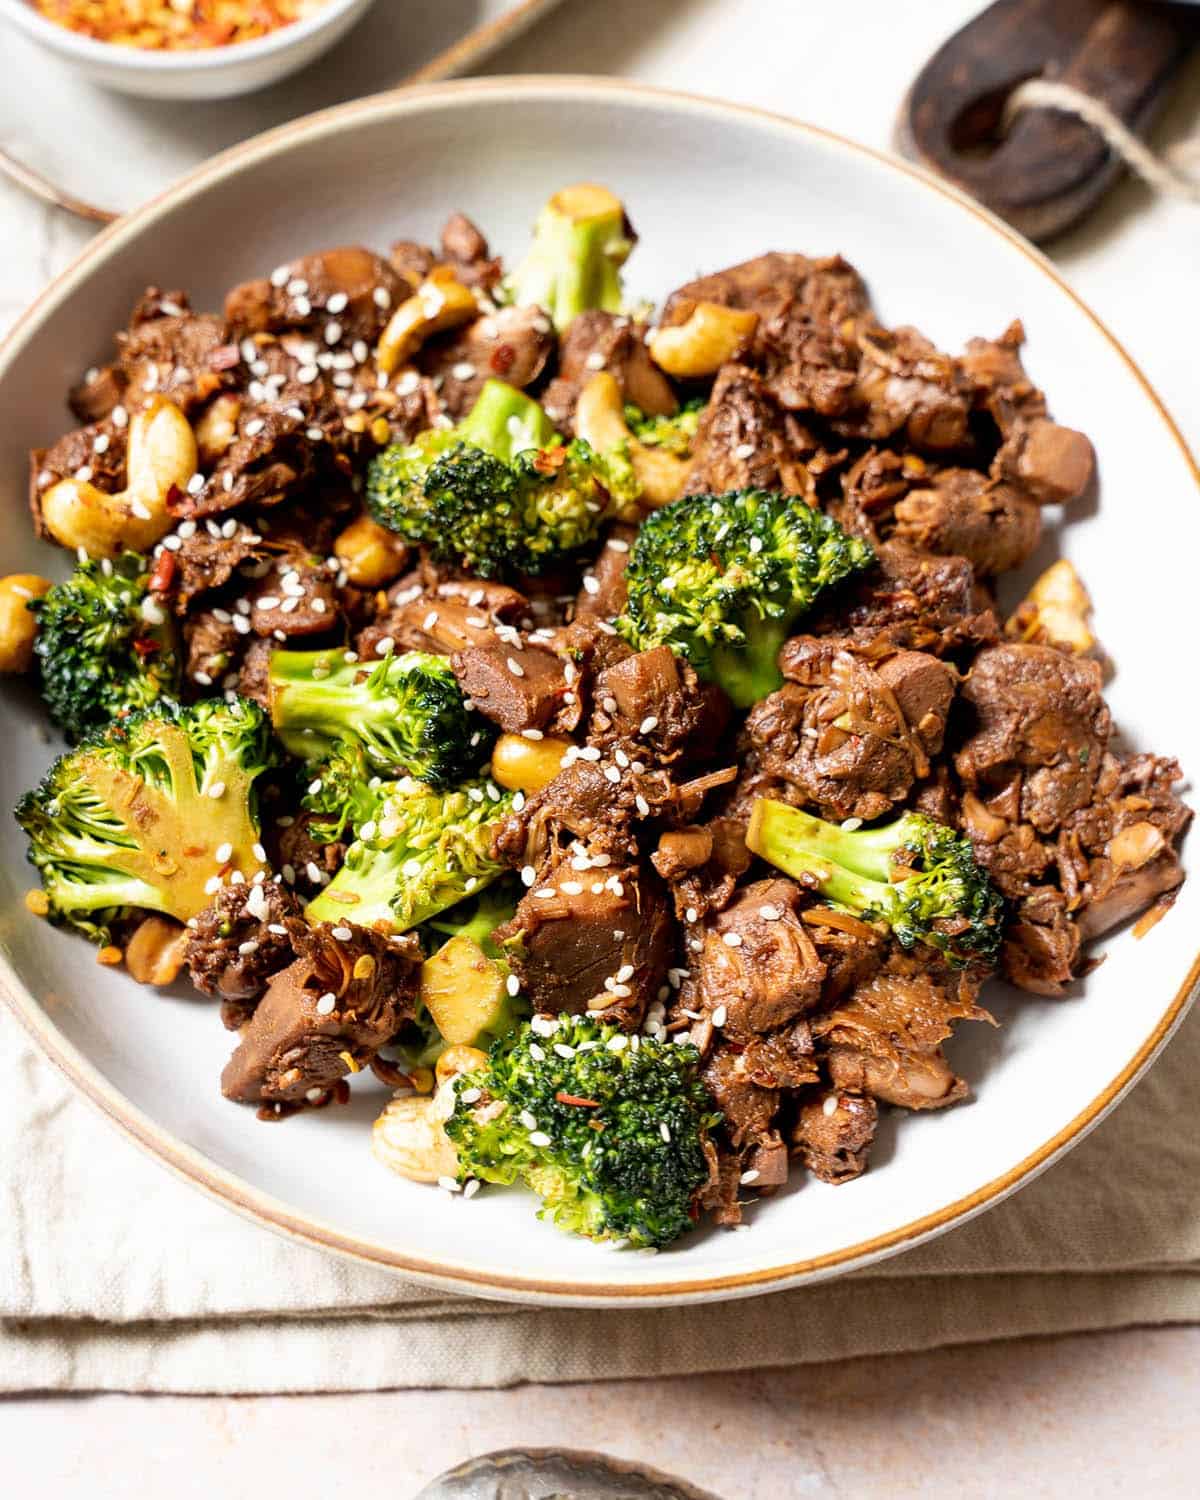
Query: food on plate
[604, 733]
[171, 25]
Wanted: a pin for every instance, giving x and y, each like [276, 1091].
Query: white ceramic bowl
[706, 184]
[214, 73]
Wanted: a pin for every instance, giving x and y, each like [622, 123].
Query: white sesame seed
[513, 985]
[544, 893]
[595, 360]
[337, 303]
[306, 374]
[333, 331]
[642, 805]
[248, 947]
[119, 417]
[611, 773]
[719, 1016]
[259, 853]
[570, 887]
[212, 885]
[527, 1119]
[217, 790]
[591, 584]
[343, 934]
[224, 852]
[515, 667]
[449, 1185]
[648, 725]
[384, 646]
[744, 450]
[665, 1131]
[255, 426]
[471, 1186]
[752, 1175]
[382, 297]
[538, 1138]
[732, 939]
[769, 913]
[411, 868]
[691, 914]
[313, 871]
[528, 875]
[463, 370]
[829, 1107]
[536, 1052]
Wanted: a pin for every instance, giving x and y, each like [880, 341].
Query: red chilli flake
[575, 1099]
[550, 460]
[144, 646]
[162, 575]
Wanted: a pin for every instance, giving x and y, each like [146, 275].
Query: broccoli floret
[581, 240]
[918, 876]
[407, 712]
[466, 996]
[500, 493]
[149, 814]
[416, 853]
[610, 1131]
[105, 648]
[721, 579]
[672, 434]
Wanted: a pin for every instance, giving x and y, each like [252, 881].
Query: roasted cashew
[154, 954]
[18, 624]
[440, 302]
[600, 421]
[710, 335]
[1057, 610]
[371, 554]
[522, 765]
[162, 456]
[216, 428]
[408, 1136]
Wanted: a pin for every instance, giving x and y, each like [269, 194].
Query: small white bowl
[209, 73]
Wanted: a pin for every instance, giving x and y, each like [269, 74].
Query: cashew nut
[18, 624]
[710, 335]
[162, 456]
[408, 1136]
[371, 554]
[1057, 609]
[440, 302]
[217, 427]
[154, 954]
[600, 421]
[522, 765]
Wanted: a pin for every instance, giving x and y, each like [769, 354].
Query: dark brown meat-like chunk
[746, 1083]
[517, 687]
[656, 706]
[1041, 943]
[298, 597]
[204, 562]
[759, 968]
[306, 862]
[595, 941]
[833, 1134]
[603, 595]
[913, 599]
[465, 247]
[269, 460]
[1127, 838]
[906, 387]
[239, 942]
[745, 441]
[213, 645]
[171, 351]
[97, 452]
[840, 732]
[962, 513]
[351, 288]
[1039, 713]
[782, 289]
[512, 344]
[604, 341]
[101, 388]
[252, 676]
[1052, 464]
[324, 1016]
[885, 1039]
[702, 865]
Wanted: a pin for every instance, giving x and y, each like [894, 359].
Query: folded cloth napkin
[115, 1276]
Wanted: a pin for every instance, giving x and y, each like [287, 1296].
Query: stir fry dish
[603, 729]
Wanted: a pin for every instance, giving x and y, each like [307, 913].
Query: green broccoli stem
[580, 242]
[314, 705]
[504, 422]
[750, 671]
[791, 833]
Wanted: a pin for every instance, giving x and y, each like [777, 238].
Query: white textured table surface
[1102, 1415]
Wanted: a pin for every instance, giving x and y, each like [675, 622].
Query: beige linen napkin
[115, 1276]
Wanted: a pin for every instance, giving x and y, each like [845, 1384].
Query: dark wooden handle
[1049, 168]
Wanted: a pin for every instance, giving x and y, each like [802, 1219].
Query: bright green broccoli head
[418, 852]
[406, 712]
[611, 1131]
[915, 875]
[721, 579]
[581, 240]
[499, 494]
[674, 434]
[105, 647]
[152, 813]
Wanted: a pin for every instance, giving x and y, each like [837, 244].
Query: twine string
[1170, 174]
